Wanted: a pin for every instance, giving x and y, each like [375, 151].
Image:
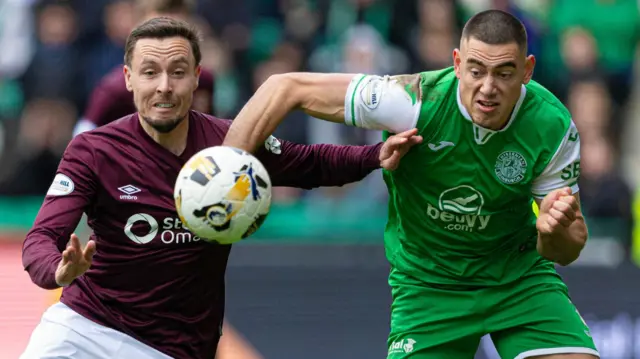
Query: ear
[127, 77]
[529, 64]
[457, 60]
[198, 72]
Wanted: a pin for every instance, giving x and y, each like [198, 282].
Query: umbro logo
[128, 191]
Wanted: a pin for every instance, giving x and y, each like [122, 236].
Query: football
[223, 194]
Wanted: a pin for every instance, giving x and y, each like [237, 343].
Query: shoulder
[212, 129]
[211, 121]
[81, 149]
[124, 126]
[546, 110]
[438, 77]
[436, 84]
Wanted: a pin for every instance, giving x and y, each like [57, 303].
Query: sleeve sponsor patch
[372, 92]
[61, 186]
[382, 103]
[273, 145]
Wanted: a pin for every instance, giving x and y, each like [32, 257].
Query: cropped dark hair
[162, 28]
[496, 27]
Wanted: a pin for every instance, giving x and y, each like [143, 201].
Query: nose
[488, 87]
[164, 84]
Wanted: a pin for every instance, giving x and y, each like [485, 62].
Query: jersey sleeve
[382, 103]
[564, 168]
[70, 194]
[309, 166]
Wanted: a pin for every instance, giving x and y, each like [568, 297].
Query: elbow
[286, 89]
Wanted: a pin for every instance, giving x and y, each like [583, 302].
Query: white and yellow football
[223, 194]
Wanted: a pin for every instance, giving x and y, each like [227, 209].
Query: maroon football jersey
[111, 100]
[151, 278]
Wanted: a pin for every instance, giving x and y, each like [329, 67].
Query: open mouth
[488, 103]
[487, 106]
[164, 105]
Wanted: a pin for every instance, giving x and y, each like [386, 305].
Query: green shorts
[533, 316]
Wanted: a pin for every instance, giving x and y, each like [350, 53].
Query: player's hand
[558, 210]
[75, 261]
[396, 146]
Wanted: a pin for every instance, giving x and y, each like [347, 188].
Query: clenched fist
[558, 210]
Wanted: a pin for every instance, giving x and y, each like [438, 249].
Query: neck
[174, 141]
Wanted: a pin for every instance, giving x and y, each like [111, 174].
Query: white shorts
[64, 334]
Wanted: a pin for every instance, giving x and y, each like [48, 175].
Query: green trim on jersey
[460, 210]
[353, 100]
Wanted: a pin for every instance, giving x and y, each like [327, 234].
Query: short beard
[164, 127]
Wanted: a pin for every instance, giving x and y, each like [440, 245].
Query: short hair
[162, 28]
[496, 27]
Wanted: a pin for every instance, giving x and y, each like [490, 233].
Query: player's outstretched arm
[309, 166]
[562, 231]
[320, 95]
[367, 101]
[68, 197]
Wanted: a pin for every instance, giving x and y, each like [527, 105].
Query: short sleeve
[381, 103]
[564, 168]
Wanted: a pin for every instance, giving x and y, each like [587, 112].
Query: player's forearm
[262, 114]
[323, 165]
[564, 248]
[40, 258]
[339, 165]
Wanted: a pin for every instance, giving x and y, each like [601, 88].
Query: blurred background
[312, 282]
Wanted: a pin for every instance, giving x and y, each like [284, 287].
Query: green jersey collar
[481, 134]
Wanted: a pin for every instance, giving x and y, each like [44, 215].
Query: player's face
[490, 79]
[162, 77]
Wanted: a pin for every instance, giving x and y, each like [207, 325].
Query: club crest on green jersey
[510, 167]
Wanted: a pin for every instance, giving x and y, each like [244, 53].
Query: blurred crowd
[54, 52]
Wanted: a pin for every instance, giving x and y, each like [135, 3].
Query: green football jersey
[460, 203]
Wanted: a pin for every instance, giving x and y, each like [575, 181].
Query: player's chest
[135, 204]
[142, 183]
[493, 165]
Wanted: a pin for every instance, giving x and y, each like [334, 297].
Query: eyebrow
[182, 59]
[179, 59]
[504, 64]
[147, 60]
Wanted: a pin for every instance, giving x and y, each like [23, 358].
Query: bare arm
[564, 244]
[366, 101]
[319, 95]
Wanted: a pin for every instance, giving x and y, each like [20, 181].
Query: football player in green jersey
[468, 256]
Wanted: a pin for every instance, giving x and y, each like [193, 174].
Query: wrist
[372, 156]
[557, 248]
